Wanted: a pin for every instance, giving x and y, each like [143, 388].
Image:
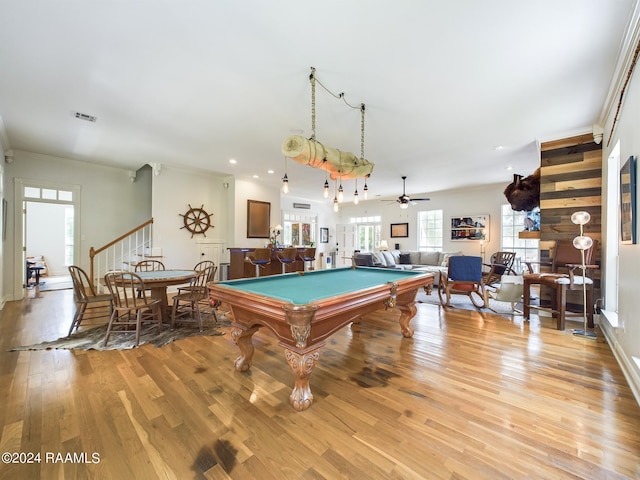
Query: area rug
[93, 339]
[464, 302]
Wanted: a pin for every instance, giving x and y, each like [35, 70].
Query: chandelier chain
[362, 131]
[361, 107]
[312, 79]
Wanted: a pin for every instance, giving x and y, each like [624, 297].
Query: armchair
[464, 276]
[561, 279]
[501, 263]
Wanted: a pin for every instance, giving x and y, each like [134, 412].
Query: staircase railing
[117, 254]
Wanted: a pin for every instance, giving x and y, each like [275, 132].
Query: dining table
[157, 282]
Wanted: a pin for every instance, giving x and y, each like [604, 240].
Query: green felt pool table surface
[319, 284]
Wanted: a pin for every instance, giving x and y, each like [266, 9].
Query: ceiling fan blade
[419, 199]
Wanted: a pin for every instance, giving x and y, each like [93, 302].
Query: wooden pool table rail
[302, 329]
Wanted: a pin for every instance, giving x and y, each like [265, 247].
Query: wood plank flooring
[470, 396]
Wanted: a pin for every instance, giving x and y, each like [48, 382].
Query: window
[68, 235]
[527, 249]
[48, 194]
[430, 231]
[298, 229]
[368, 231]
[611, 253]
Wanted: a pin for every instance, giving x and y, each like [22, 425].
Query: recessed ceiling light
[270, 172]
[256, 176]
[497, 148]
[233, 161]
[509, 167]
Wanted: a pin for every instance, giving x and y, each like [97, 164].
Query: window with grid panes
[527, 249]
[430, 231]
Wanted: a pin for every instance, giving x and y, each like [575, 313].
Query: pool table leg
[407, 312]
[243, 339]
[301, 365]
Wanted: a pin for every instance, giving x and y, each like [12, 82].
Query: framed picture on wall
[324, 235]
[470, 227]
[399, 230]
[628, 202]
[258, 218]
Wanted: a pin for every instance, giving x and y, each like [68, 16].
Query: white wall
[174, 191]
[624, 340]
[110, 205]
[485, 200]
[245, 190]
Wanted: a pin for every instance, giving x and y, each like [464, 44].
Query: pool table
[304, 308]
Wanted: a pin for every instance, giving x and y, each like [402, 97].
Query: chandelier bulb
[340, 194]
[366, 190]
[326, 189]
[355, 198]
[336, 207]
[285, 184]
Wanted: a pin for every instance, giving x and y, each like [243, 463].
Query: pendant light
[356, 200]
[326, 179]
[285, 179]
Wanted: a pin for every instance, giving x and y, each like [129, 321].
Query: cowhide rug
[93, 338]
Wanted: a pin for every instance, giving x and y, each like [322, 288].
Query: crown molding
[624, 61]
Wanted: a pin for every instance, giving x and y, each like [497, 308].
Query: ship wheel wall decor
[197, 221]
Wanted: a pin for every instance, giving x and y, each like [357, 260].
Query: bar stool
[287, 257]
[261, 257]
[309, 255]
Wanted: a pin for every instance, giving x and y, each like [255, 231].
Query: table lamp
[383, 245]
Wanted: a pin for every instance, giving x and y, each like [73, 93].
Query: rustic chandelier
[337, 164]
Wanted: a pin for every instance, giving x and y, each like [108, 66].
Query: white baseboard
[628, 366]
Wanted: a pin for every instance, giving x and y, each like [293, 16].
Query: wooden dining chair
[86, 299]
[131, 306]
[204, 303]
[149, 266]
[186, 304]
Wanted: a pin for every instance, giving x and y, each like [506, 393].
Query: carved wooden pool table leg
[407, 312]
[302, 365]
[243, 339]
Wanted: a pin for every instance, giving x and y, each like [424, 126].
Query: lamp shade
[582, 242]
[580, 218]
[383, 245]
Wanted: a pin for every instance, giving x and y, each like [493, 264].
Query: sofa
[431, 262]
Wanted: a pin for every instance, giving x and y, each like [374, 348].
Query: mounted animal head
[524, 192]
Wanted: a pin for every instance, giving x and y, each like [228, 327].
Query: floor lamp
[582, 243]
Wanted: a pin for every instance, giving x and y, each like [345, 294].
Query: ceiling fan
[404, 200]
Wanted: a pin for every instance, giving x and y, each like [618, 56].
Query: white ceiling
[196, 83]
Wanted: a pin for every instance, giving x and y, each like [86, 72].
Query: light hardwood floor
[470, 396]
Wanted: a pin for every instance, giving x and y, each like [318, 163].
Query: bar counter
[238, 268]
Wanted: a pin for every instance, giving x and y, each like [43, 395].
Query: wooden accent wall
[570, 181]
